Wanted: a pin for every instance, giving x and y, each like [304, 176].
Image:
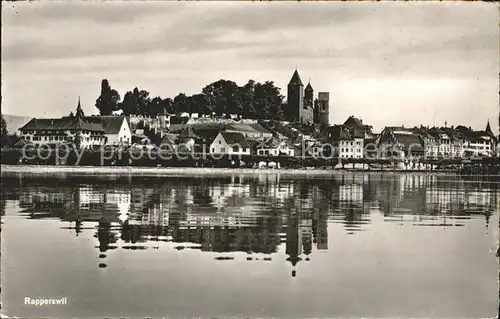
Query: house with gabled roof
[348, 142]
[116, 128]
[230, 143]
[77, 128]
[273, 147]
[62, 130]
[400, 142]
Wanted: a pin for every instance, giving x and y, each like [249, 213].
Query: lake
[261, 245]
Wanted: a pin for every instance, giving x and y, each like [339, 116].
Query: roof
[408, 140]
[309, 87]
[248, 128]
[64, 123]
[232, 138]
[488, 128]
[296, 79]
[354, 121]
[271, 143]
[340, 133]
[110, 124]
[169, 139]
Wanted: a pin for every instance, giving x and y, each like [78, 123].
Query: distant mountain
[14, 122]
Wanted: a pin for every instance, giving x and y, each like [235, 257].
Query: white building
[230, 143]
[63, 130]
[116, 128]
[274, 147]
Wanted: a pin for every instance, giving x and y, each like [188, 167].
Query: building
[347, 142]
[230, 143]
[400, 143]
[355, 124]
[301, 105]
[63, 130]
[87, 131]
[322, 109]
[478, 143]
[116, 128]
[273, 147]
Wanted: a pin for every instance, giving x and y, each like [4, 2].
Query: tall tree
[128, 105]
[4, 138]
[180, 104]
[223, 94]
[109, 99]
[202, 103]
[155, 106]
[246, 97]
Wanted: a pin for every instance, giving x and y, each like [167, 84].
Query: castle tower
[322, 109]
[295, 98]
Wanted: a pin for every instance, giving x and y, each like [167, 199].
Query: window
[213, 149]
[220, 142]
[236, 148]
[222, 149]
[243, 149]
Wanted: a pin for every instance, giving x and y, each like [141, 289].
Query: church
[301, 105]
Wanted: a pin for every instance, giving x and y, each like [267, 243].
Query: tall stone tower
[308, 96]
[323, 109]
[295, 98]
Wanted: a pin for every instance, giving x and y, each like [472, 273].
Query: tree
[223, 94]
[109, 99]
[136, 102]
[155, 106]
[128, 105]
[166, 105]
[180, 104]
[246, 98]
[4, 139]
[202, 103]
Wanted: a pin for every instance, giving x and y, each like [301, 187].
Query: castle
[301, 105]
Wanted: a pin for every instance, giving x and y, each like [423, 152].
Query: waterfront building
[230, 143]
[356, 125]
[478, 143]
[347, 142]
[63, 130]
[400, 142]
[116, 128]
[88, 131]
[273, 147]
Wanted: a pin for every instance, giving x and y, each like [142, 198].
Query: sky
[387, 63]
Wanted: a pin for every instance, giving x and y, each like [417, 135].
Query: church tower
[322, 109]
[295, 98]
[308, 96]
[79, 111]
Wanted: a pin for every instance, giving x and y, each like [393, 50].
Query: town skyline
[443, 70]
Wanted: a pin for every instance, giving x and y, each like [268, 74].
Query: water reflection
[254, 215]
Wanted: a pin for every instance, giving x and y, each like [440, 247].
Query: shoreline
[169, 171]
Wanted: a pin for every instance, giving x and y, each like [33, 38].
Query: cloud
[43, 13]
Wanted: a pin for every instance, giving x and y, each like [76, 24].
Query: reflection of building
[254, 212]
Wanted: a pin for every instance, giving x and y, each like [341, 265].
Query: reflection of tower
[306, 234]
[321, 229]
[78, 225]
[293, 242]
[104, 238]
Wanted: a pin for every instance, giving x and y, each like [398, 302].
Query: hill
[14, 122]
